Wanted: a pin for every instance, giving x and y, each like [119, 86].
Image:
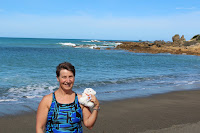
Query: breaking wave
[67, 44]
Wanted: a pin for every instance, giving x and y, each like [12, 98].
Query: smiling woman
[66, 80]
[60, 111]
[66, 76]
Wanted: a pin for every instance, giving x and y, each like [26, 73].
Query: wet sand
[174, 112]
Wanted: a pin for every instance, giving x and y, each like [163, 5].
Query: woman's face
[66, 80]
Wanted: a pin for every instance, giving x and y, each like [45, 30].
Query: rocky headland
[178, 46]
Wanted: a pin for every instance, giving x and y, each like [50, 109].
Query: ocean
[28, 71]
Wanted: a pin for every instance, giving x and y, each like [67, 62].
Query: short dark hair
[65, 65]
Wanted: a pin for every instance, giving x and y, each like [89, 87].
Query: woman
[60, 112]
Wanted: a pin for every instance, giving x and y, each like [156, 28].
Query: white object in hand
[86, 97]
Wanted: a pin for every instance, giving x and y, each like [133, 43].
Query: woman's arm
[89, 118]
[42, 113]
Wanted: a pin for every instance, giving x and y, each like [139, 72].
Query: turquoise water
[27, 71]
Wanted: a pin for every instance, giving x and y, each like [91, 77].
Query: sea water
[28, 71]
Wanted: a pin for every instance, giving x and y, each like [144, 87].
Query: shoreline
[171, 111]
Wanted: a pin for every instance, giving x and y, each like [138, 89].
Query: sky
[100, 19]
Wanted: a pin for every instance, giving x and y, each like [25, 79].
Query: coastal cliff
[178, 46]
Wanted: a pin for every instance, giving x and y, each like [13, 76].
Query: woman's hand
[95, 101]
[89, 117]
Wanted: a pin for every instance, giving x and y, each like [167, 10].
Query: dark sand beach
[174, 112]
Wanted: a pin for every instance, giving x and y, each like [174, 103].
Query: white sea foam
[184, 82]
[68, 44]
[81, 46]
[31, 91]
[86, 41]
[118, 43]
[32, 96]
[92, 41]
[92, 47]
[143, 88]
[192, 82]
[87, 46]
[111, 44]
[99, 46]
[7, 100]
[95, 41]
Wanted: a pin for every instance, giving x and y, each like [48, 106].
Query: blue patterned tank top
[64, 118]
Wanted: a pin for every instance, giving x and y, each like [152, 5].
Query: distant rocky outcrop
[177, 41]
[178, 46]
[183, 38]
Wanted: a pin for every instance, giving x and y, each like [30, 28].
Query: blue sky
[100, 19]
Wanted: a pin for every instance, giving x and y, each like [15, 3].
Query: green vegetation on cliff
[196, 38]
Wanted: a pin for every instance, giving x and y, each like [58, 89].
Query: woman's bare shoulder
[44, 106]
[47, 99]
